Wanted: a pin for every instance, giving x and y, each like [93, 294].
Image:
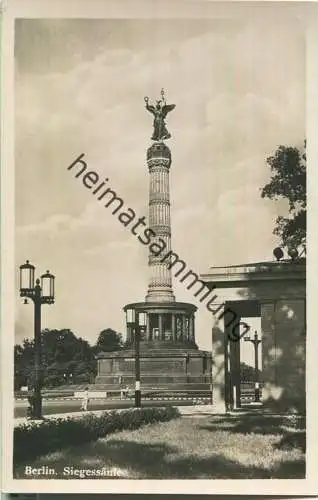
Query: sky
[239, 90]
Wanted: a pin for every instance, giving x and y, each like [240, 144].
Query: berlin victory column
[161, 352]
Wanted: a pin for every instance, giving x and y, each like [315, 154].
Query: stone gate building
[275, 292]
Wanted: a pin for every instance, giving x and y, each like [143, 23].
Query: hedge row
[32, 439]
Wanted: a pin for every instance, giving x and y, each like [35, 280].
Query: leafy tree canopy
[288, 181]
[247, 372]
[108, 340]
[65, 358]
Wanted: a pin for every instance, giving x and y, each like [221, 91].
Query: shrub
[38, 438]
[289, 406]
[296, 421]
[292, 440]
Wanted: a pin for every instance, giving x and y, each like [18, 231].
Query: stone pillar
[160, 327]
[220, 366]
[235, 372]
[129, 334]
[271, 389]
[192, 335]
[291, 348]
[184, 327]
[160, 278]
[148, 327]
[173, 327]
[283, 354]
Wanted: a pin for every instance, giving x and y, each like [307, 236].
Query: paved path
[185, 411]
[65, 405]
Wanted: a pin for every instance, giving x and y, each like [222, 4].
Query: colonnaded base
[170, 362]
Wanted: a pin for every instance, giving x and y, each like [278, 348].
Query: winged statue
[160, 111]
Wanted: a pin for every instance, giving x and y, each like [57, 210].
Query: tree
[65, 358]
[23, 363]
[288, 181]
[108, 341]
[247, 372]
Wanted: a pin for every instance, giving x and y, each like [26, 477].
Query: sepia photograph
[159, 291]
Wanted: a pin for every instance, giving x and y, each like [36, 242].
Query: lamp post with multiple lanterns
[255, 341]
[42, 292]
[136, 320]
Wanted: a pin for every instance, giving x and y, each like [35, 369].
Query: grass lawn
[210, 447]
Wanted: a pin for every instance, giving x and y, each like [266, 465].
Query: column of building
[160, 280]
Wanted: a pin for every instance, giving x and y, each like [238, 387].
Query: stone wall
[284, 353]
[185, 367]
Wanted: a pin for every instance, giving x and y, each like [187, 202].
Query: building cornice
[259, 271]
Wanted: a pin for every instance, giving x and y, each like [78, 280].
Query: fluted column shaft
[160, 280]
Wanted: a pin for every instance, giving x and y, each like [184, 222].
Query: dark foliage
[108, 341]
[248, 372]
[65, 359]
[293, 440]
[32, 440]
[288, 181]
[23, 363]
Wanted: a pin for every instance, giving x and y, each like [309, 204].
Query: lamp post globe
[293, 253]
[142, 319]
[26, 278]
[47, 286]
[278, 253]
[130, 317]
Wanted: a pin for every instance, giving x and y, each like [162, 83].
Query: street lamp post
[136, 320]
[40, 293]
[255, 341]
[211, 379]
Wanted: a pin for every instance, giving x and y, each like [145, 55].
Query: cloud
[239, 92]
